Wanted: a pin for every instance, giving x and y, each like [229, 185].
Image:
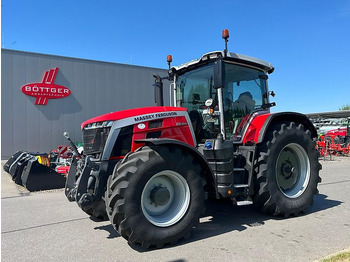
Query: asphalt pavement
[44, 226]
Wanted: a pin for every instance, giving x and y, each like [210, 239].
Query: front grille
[95, 139]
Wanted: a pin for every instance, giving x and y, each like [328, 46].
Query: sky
[308, 42]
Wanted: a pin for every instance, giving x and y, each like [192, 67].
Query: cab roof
[234, 57]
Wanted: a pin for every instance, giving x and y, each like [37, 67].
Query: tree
[345, 107]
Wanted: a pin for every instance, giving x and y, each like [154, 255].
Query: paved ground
[44, 226]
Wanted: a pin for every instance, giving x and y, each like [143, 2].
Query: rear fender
[263, 122]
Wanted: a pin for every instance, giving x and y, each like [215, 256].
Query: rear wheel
[156, 196]
[287, 171]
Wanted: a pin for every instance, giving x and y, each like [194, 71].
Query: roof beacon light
[225, 35]
[169, 59]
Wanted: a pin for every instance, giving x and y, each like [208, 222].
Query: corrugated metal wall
[97, 88]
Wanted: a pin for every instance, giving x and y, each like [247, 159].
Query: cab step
[244, 203]
[241, 186]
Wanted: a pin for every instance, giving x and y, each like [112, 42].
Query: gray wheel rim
[165, 198]
[293, 170]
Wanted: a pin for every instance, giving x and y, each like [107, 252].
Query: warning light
[225, 34]
[169, 59]
[229, 192]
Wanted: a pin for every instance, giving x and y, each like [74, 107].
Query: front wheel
[287, 171]
[165, 198]
[97, 210]
[155, 196]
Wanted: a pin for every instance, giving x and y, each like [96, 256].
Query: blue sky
[308, 42]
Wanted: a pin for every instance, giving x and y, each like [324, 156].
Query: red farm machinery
[150, 170]
[335, 142]
[334, 132]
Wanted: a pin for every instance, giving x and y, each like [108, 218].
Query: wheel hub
[165, 198]
[287, 169]
[292, 170]
[160, 195]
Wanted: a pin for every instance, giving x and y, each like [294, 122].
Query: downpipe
[158, 90]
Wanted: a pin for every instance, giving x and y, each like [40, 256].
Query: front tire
[97, 210]
[155, 196]
[287, 171]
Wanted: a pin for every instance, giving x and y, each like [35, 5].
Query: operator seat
[245, 103]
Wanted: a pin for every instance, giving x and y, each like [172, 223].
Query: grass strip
[341, 257]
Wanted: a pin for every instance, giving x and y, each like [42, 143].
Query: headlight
[98, 125]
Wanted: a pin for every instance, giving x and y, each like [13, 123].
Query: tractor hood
[139, 114]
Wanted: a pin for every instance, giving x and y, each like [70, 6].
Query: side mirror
[218, 74]
[66, 135]
[73, 146]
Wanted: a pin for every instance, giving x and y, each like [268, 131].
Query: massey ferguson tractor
[150, 170]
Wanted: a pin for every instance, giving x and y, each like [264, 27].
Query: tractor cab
[220, 91]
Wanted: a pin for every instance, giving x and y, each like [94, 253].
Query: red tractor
[150, 170]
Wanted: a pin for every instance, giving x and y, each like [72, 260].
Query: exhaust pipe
[158, 90]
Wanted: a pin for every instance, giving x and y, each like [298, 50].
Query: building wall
[96, 88]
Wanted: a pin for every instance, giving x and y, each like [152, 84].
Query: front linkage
[86, 184]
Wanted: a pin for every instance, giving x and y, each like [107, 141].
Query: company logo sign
[46, 89]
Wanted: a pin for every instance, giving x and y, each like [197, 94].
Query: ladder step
[244, 203]
[240, 185]
[238, 169]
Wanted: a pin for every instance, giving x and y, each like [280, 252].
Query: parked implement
[334, 132]
[150, 170]
[335, 142]
[34, 171]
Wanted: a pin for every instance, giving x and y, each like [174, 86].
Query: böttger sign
[46, 89]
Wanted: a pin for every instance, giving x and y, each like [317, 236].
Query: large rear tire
[155, 196]
[287, 171]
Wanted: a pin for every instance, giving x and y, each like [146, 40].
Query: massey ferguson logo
[46, 89]
[154, 116]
